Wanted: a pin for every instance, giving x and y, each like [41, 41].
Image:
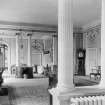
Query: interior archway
[4, 57]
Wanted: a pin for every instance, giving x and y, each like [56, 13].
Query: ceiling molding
[7, 36]
[91, 25]
[5, 25]
[35, 35]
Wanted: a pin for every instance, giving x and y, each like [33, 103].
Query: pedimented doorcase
[3, 55]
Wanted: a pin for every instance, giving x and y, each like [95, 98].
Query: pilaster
[17, 49]
[29, 50]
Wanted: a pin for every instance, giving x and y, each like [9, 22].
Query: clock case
[81, 61]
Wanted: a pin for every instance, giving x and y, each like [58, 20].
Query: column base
[102, 85]
[64, 88]
[60, 97]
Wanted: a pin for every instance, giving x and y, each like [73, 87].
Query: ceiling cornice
[92, 25]
[5, 25]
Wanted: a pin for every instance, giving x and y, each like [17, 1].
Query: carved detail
[92, 34]
[38, 45]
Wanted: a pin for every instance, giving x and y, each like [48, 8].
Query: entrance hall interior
[49, 48]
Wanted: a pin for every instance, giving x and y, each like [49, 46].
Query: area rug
[37, 95]
[81, 81]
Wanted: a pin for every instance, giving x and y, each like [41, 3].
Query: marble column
[29, 50]
[102, 82]
[55, 50]
[65, 46]
[17, 49]
[65, 54]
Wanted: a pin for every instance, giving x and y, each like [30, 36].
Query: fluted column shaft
[65, 45]
[29, 51]
[102, 82]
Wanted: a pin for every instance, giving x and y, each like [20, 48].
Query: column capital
[29, 34]
[17, 33]
[54, 36]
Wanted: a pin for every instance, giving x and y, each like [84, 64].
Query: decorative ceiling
[45, 11]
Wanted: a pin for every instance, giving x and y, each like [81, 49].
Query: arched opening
[4, 57]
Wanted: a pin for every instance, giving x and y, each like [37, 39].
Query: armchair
[96, 72]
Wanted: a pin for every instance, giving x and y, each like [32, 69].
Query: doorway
[3, 57]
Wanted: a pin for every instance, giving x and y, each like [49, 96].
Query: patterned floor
[28, 96]
[85, 81]
[30, 92]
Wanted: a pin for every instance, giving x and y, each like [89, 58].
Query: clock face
[80, 54]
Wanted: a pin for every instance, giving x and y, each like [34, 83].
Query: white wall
[37, 56]
[92, 44]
